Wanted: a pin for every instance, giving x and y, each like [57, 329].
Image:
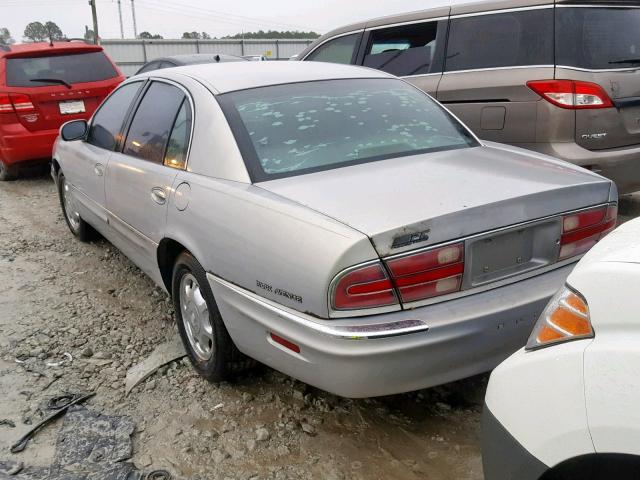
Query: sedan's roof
[234, 76]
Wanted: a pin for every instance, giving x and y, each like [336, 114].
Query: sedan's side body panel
[86, 176]
[267, 244]
[137, 192]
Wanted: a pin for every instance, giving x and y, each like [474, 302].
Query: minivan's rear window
[598, 38]
[288, 130]
[510, 39]
[50, 70]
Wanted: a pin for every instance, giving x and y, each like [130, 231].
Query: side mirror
[74, 130]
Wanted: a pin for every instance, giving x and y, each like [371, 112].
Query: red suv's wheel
[6, 172]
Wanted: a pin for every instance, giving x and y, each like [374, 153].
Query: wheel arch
[596, 466]
[167, 252]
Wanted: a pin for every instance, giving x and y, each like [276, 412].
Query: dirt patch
[59, 297]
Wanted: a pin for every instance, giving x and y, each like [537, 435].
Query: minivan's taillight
[571, 94]
[364, 287]
[582, 230]
[428, 274]
[15, 102]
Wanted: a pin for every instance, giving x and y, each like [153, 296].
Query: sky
[170, 18]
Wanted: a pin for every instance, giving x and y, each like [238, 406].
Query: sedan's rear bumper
[389, 353]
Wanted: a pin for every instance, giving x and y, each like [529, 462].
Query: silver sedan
[333, 222]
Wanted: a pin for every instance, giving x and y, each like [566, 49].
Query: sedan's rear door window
[408, 49]
[153, 122]
[72, 68]
[497, 40]
[109, 119]
[178, 146]
[338, 50]
[292, 129]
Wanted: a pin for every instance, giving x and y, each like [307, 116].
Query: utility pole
[133, 15]
[94, 13]
[120, 16]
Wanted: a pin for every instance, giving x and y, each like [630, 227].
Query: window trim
[504, 10]
[410, 22]
[330, 39]
[125, 119]
[132, 113]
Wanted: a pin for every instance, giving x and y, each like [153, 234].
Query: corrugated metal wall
[130, 55]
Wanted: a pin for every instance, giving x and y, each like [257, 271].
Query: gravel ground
[58, 295]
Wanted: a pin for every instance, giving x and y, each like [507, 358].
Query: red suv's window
[59, 69]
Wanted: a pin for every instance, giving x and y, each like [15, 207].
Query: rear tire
[7, 173]
[204, 336]
[81, 229]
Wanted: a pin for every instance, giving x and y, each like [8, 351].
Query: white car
[567, 405]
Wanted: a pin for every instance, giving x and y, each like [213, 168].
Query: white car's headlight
[565, 318]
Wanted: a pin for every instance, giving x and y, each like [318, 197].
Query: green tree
[53, 31]
[35, 31]
[273, 34]
[205, 36]
[39, 32]
[5, 36]
[148, 35]
[191, 35]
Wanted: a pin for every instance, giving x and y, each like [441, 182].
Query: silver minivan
[561, 78]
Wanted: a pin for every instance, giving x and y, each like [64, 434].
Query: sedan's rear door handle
[159, 195]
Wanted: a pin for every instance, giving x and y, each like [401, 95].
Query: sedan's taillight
[416, 276]
[364, 287]
[582, 230]
[428, 274]
[15, 102]
[570, 94]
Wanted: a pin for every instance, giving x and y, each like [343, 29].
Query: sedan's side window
[109, 119]
[338, 50]
[152, 122]
[407, 50]
[178, 146]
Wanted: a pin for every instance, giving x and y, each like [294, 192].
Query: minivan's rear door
[62, 84]
[490, 57]
[601, 44]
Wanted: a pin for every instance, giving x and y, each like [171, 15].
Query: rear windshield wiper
[51, 80]
[625, 60]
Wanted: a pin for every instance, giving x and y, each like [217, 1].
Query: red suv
[42, 86]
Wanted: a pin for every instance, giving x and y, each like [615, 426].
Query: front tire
[205, 338]
[76, 224]
[7, 173]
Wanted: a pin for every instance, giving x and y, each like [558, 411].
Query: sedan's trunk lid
[444, 196]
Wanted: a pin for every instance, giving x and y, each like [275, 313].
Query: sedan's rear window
[598, 38]
[293, 129]
[52, 70]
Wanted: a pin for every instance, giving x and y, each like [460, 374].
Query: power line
[211, 15]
